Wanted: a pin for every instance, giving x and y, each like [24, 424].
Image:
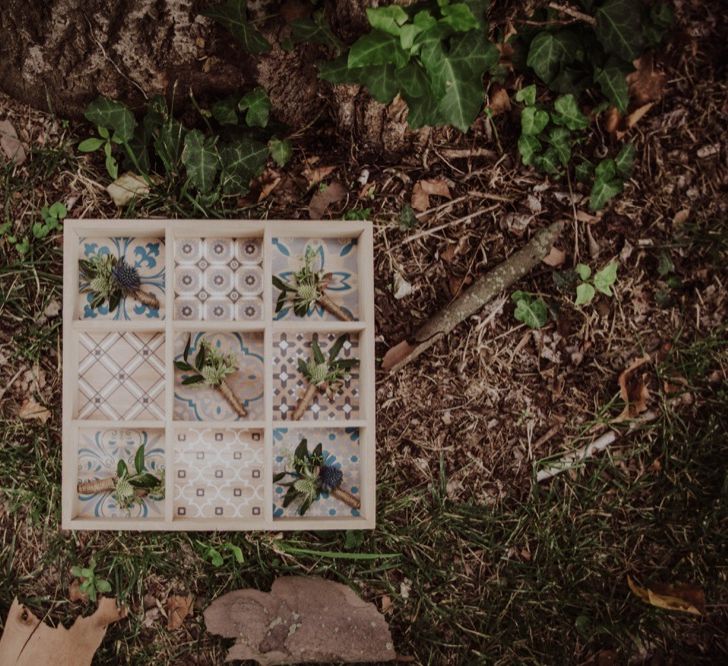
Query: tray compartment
[340, 449]
[147, 255]
[99, 451]
[198, 402]
[219, 474]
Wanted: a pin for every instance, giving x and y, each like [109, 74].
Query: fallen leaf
[74, 592]
[323, 198]
[423, 189]
[126, 187]
[457, 284]
[500, 102]
[555, 257]
[632, 390]
[681, 217]
[386, 604]
[30, 409]
[637, 115]
[677, 597]
[396, 354]
[314, 175]
[645, 83]
[27, 641]
[612, 120]
[401, 287]
[52, 309]
[302, 619]
[268, 180]
[178, 608]
[10, 144]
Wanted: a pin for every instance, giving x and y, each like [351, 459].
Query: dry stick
[327, 304]
[145, 298]
[346, 497]
[483, 290]
[232, 399]
[304, 402]
[574, 13]
[571, 460]
[96, 486]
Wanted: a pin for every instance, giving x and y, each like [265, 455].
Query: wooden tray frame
[171, 230]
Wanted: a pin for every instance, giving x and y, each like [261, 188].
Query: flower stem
[334, 308]
[145, 298]
[304, 402]
[346, 497]
[96, 486]
[232, 399]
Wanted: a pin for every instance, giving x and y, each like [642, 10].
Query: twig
[573, 459]
[574, 13]
[483, 290]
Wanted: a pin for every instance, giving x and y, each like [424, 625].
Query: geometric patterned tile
[121, 376]
[289, 385]
[218, 473]
[218, 279]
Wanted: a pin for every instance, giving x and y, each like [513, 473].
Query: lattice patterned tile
[218, 473]
[336, 256]
[197, 402]
[218, 279]
[289, 385]
[99, 452]
[121, 376]
[341, 450]
[147, 256]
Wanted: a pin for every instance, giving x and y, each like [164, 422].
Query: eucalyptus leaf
[139, 460]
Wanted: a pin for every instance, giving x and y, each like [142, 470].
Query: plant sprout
[91, 584]
[323, 374]
[310, 477]
[308, 288]
[211, 368]
[110, 278]
[128, 488]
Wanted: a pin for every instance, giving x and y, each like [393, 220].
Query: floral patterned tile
[218, 279]
[337, 256]
[289, 385]
[218, 473]
[341, 450]
[147, 256]
[197, 402]
[121, 376]
[99, 452]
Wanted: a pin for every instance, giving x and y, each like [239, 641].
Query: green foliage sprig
[90, 584]
[601, 282]
[530, 309]
[434, 59]
[109, 279]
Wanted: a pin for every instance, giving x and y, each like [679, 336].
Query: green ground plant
[90, 584]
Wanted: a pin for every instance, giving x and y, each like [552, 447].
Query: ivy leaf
[422, 111]
[242, 160]
[314, 31]
[459, 17]
[121, 469]
[479, 8]
[531, 311]
[569, 114]
[605, 278]
[280, 151]
[389, 19]
[624, 160]
[584, 294]
[559, 138]
[376, 48]
[338, 71]
[258, 107]
[533, 121]
[528, 146]
[527, 95]
[201, 160]
[613, 83]
[381, 81]
[583, 271]
[549, 50]
[232, 15]
[548, 162]
[112, 115]
[584, 171]
[224, 111]
[619, 29]
[413, 80]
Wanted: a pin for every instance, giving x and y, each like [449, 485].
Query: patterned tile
[197, 402]
[147, 255]
[218, 279]
[99, 452]
[121, 376]
[289, 385]
[218, 473]
[337, 256]
[341, 449]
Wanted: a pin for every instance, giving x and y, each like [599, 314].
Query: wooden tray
[121, 390]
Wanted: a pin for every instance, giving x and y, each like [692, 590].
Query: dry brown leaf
[613, 119]
[645, 83]
[676, 597]
[500, 102]
[637, 115]
[323, 198]
[423, 189]
[396, 354]
[126, 187]
[30, 409]
[302, 619]
[177, 608]
[27, 641]
[386, 604]
[555, 258]
[10, 144]
[315, 175]
[632, 390]
[681, 217]
[268, 181]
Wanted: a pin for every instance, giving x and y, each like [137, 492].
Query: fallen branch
[574, 13]
[575, 458]
[483, 290]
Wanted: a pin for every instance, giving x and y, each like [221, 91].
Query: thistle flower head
[99, 275]
[317, 372]
[307, 487]
[126, 276]
[124, 493]
[331, 477]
